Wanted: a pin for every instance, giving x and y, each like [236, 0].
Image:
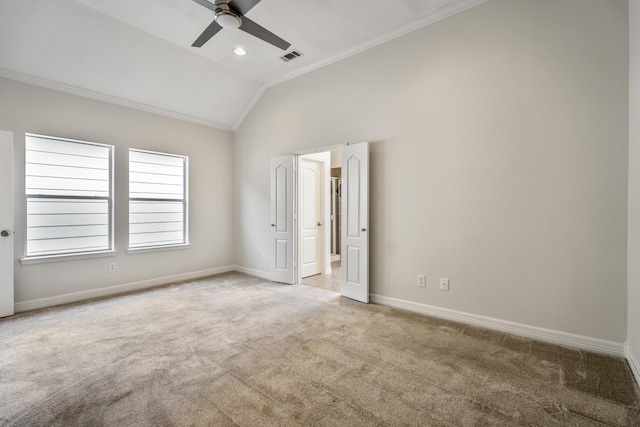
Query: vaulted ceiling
[138, 52]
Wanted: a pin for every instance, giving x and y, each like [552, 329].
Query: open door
[282, 224]
[6, 224]
[355, 222]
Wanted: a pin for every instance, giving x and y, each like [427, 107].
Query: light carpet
[237, 350]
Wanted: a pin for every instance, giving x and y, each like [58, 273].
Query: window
[69, 192]
[157, 199]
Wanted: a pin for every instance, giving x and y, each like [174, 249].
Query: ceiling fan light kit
[231, 14]
[227, 19]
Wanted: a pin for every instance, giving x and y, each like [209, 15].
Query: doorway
[327, 282]
[319, 219]
[287, 252]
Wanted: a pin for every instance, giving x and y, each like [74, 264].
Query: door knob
[364, 229]
[319, 224]
[4, 233]
[273, 225]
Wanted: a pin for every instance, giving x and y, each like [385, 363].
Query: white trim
[595, 345]
[103, 97]
[316, 150]
[117, 289]
[439, 15]
[253, 272]
[252, 103]
[67, 257]
[443, 13]
[633, 362]
[147, 249]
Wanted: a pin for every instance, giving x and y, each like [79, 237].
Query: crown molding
[438, 16]
[111, 99]
[98, 96]
[252, 103]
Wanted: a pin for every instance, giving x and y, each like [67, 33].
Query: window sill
[66, 257]
[148, 249]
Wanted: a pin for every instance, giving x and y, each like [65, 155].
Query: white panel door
[6, 224]
[310, 173]
[282, 223]
[355, 219]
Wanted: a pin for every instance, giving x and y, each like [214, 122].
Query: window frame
[185, 205]
[54, 257]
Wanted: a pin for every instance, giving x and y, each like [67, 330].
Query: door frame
[326, 236]
[334, 215]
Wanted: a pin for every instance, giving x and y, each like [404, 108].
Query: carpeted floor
[237, 350]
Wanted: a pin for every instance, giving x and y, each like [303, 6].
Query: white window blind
[69, 196]
[157, 199]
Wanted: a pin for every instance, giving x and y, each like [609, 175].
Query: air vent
[291, 55]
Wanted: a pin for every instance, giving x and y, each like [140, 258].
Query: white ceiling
[138, 52]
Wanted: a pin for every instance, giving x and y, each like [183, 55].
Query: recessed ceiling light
[240, 51]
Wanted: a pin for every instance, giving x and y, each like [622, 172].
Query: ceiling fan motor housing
[227, 18]
[231, 14]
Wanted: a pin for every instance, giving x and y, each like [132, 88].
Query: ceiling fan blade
[205, 3]
[209, 32]
[241, 6]
[248, 26]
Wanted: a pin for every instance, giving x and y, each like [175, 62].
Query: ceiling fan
[231, 14]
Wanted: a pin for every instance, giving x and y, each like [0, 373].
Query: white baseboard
[253, 272]
[547, 335]
[117, 289]
[633, 362]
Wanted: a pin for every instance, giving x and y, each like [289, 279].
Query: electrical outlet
[258, 255]
[444, 284]
[422, 280]
[112, 267]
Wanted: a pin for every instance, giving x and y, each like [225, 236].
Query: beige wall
[634, 183]
[499, 160]
[26, 108]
